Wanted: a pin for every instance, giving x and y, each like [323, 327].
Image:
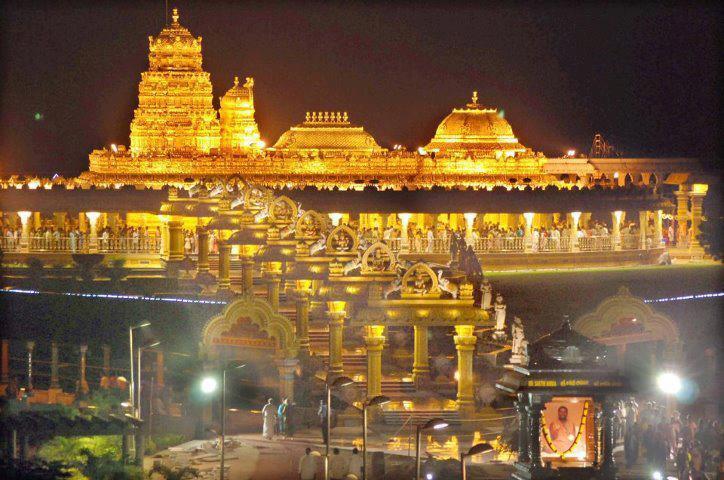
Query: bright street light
[209, 385]
[432, 424]
[669, 383]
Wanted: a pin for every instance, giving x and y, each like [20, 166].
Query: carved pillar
[160, 368]
[202, 260]
[5, 361]
[54, 384]
[247, 273]
[375, 341]
[682, 214]
[528, 233]
[25, 238]
[575, 217]
[336, 315]
[302, 303]
[421, 362]
[30, 345]
[697, 195]
[523, 434]
[176, 240]
[534, 422]
[83, 383]
[93, 233]
[608, 467]
[405, 220]
[106, 360]
[469, 222]
[272, 276]
[658, 228]
[224, 278]
[287, 367]
[643, 228]
[616, 217]
[465, 345]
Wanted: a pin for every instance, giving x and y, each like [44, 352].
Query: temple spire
[475, 97]
[174, 16]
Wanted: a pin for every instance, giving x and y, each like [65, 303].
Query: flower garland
[549, 440]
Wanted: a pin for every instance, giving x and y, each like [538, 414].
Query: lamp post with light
[476, 449]
[138, 367]
[432, 424]
[373, 402]
[131, 387]
[338, 382]
[209, 386]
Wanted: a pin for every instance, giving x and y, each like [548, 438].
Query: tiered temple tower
[239, 131]
[175, 103]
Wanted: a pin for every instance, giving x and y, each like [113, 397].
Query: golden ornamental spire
[174, 17]
[475, 97]
[236, 81]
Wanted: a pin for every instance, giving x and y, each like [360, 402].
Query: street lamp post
[474, 450]
[209, 385]
[434, 424]
[131, 386]
[138, 367]
[375, 401]
[338, 382]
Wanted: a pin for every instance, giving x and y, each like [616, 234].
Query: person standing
[308, 465]
[268, 414]
[282, 417]
[322, 414]
[337, 466]
[355, 464]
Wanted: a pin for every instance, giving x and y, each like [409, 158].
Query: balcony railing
[81, 244]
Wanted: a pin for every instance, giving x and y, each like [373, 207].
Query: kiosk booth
[565, 399]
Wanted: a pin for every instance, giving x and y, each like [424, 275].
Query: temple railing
[499, 245]
[81, 244]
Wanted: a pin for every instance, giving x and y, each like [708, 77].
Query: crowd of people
[692, 445]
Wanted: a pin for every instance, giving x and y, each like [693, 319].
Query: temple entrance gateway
[250, 330]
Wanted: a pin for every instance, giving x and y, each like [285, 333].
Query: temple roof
[475, 128]
[239, 93]
[330, 131]
[566, 349]
[175, 48]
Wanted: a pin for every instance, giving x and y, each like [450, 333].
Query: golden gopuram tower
[239, 131]
[175, 102]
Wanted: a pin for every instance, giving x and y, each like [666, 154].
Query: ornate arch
[283, 210]
[311, 225]
[623, 316]
[420, 280]
[333, 240]
[374, 263]
[257, 312]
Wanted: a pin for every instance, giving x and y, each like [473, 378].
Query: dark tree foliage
[711, 237]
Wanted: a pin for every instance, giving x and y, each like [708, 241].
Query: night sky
[647, 76]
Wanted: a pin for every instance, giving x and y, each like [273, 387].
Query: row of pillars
[690, 195]
[55, 365]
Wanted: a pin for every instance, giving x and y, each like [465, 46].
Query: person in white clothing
[269, 417]
[355, 464]
[308, 465]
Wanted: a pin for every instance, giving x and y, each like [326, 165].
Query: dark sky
[646, 75]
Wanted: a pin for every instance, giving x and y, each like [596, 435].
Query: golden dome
[174, 48]
[327, 131]
[475, 128]
[239, 131]
[238, 95]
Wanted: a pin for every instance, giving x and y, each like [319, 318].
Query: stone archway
[258, 312]
[623, 319]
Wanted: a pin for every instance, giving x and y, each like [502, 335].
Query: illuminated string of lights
[115, 296]
[685, 297]
[549, 440]
[146, 298]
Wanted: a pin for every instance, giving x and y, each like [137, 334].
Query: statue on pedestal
[519, 347]
[499, 309]
[487, 298]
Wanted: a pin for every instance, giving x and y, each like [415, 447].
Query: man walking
[322, 414]
[308, 465]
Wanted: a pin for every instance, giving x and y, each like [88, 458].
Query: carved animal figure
[446, 285]
[318, 246]
[353, 265]
[395, 286]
